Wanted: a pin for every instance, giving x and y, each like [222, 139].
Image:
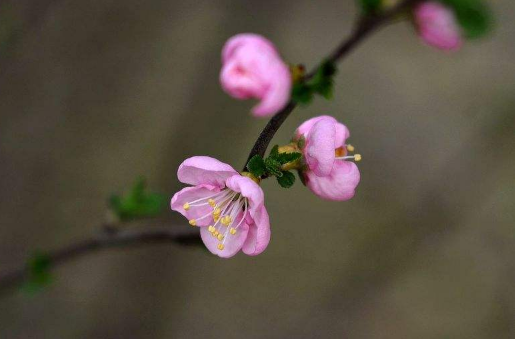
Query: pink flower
[437, 25]
[328, 174]
[252, 68]
[227, 206]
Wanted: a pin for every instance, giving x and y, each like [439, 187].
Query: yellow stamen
[226, 220]
[350, 148]
[211, 228]
[211, 203]
[220, 237]
[357, 157]
[216, 233]
[216, 212]
[221, 247]
[186, 206]
[233, 231]
[193, 222]
[216, 218]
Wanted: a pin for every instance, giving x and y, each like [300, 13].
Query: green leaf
[370, 6]
[286, 180]
[302, 93]
[323, 83]
[138, 203]
[474, 16]
[256, 166]
[38, 270]
[285, 158]
[273, 167]
[274, 152]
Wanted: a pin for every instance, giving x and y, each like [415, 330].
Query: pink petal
[339, 185]
[190, 194]
[249, 189]
[245, 39]
[437, 25]
[259, 233]
[319, 150]
[278, 92]
[307, 125]
[204, 170]
[342, 134]
[232, 245]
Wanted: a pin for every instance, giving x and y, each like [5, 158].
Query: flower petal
[307, 125]
[319, 151]
[341, 136]
[245, 39]
[249, 189]
[190, 194]
[259, 233]
[204, 170]
[339, 185]
[232, 244]
[278, 92]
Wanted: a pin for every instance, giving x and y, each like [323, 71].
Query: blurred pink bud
[252, 68]
[437, 26]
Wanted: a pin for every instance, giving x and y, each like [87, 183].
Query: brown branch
[364, 27]
[109, 238]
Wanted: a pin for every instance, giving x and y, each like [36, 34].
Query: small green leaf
[323, 83]
[138, 203]
[256, 166]
[286, 180]
[370, 6]
[274, 152]
[474, 16]
[302, 93]
[285, 158]
[273, 167]
[38, 270]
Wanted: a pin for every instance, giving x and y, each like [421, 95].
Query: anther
[350, 148]
[226, 220]
[193, 222]
[220, 237]
[221, 247]
[211, 228]
[357, 157]
[233, 231]
[186, 206]
[211, 203]
[216, 233]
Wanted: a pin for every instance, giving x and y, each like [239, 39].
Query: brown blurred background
[95, 93]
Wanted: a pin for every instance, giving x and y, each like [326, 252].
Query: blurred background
[95, 93]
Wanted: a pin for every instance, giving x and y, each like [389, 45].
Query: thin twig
[105, 240]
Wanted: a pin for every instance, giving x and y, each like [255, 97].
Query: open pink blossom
[252, 68]
[228, 207]
[328, 172]
[437, 25]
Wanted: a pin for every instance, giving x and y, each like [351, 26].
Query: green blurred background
[95, 93]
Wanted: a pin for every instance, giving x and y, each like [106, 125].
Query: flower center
[228, 211]
[341, 153]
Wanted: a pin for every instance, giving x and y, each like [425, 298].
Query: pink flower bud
[437, 26]
[329, 171]
[252, 68]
